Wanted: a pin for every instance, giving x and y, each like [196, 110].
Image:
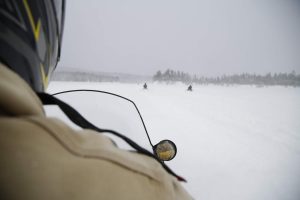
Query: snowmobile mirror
[165, 150]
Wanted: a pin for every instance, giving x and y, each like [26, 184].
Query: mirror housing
[165, 150]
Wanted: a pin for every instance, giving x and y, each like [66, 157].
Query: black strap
[78, 119]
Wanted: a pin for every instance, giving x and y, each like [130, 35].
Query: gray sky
[204, 37]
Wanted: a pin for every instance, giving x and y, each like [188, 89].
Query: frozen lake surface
[234, 143]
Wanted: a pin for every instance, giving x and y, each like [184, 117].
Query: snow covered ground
[234, 143]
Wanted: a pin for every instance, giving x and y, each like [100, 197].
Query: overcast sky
[204, 37]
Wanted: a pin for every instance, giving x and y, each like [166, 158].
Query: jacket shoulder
[44, 157]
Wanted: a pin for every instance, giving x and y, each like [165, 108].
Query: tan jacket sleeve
[42, 158]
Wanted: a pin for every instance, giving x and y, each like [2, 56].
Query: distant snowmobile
[145, 86]
[190, 88]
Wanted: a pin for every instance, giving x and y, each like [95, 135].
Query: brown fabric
[17, 98]
[42, 158]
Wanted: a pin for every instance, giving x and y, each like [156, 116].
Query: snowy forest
[89, 76]
[284, 79]
[83, 77]
[169, 76]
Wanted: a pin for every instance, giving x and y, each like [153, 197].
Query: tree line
[284, 79]
[83, 77]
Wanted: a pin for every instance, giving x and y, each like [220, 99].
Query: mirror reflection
[165, 150]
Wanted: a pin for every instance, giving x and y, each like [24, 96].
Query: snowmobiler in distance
[145, 86]
[190, 88]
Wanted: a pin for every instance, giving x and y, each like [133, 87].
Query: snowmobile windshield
[99, 110]
[105, 110]
[110, 110]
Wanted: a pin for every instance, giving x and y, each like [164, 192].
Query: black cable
[116, 95]
[78, 119]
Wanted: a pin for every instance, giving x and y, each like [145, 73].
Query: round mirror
[165, 150]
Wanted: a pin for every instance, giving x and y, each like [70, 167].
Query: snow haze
[234, 143]
[204, 37]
